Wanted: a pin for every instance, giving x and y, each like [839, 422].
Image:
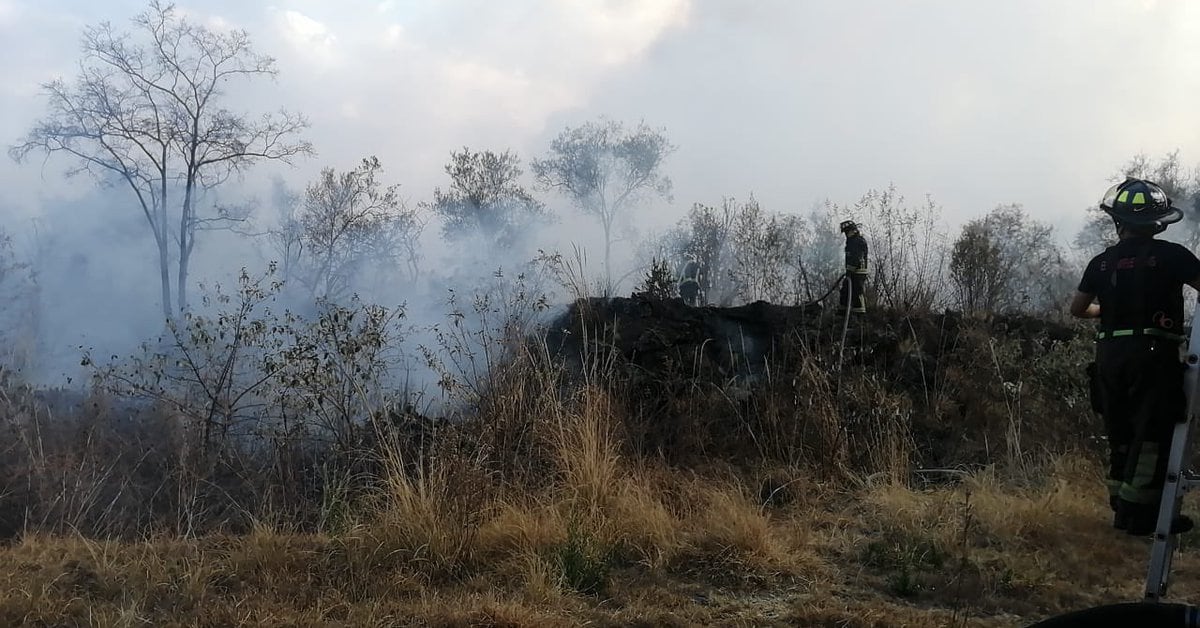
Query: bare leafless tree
[18, 308]
[763, 251]
[749, 253]
[285, 238]
[908, 253]
[146, 112]
[822, 256]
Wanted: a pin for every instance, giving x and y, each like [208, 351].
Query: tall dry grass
[705, 551]
[598, 494]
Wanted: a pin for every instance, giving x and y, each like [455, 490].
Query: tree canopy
[146, 112]
[486, 198]
[607, 169]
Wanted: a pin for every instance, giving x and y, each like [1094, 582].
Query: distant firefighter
[852, 294]
[692, 279]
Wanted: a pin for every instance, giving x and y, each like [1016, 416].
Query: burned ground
[965, 385]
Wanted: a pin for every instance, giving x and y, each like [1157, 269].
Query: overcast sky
[975, 102]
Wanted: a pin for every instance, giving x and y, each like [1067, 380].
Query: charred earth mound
[803, 385]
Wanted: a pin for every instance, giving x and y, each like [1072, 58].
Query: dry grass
[587, 451]
[551, 509]
[992, 544]
[981, 552]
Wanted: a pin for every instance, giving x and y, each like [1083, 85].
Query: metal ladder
[1179, 480]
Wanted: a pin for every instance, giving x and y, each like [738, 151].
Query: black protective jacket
[856, 254]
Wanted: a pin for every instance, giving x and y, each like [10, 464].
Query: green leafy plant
[583, 560]
[659, 282]
[905, 558]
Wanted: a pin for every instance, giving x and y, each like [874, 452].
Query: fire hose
[836, 284]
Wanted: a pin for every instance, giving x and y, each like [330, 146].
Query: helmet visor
[1110, 196]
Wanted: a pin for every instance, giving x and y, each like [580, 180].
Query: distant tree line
[148, 112]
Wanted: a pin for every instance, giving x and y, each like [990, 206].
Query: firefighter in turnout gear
[1135, 288]
[691, 281]
[852, 294]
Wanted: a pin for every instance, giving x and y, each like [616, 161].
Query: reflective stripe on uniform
[1149, 331]
[1138, 488]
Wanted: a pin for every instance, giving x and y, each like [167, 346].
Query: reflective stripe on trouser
[1139, 485]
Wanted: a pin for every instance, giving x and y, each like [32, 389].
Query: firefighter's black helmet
[1140, 203]
[847, 226]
